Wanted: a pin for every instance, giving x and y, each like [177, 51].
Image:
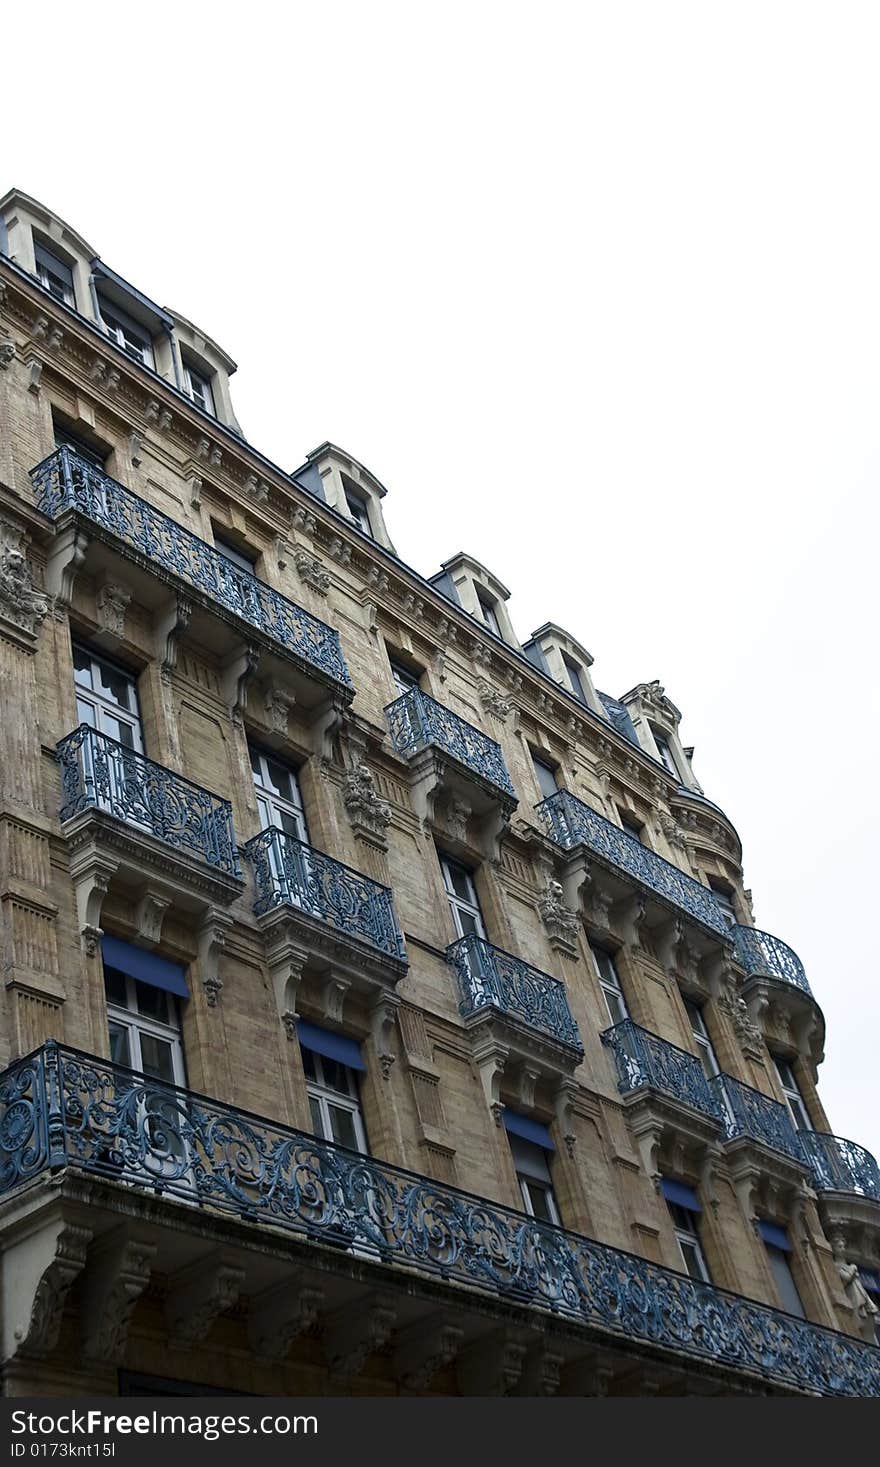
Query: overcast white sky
[594, 290]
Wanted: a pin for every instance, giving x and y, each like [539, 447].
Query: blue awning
[147, 967]
[332, 1046]
[680, 1193]
[773, 1234]
[528, 1129]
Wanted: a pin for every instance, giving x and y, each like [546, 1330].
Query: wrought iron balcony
[841, 1166]
[644, 1060]
[489, 978]
[289, 872]
[63, 1109]
[572, 823]
[417, 721]
[100, 774]
[750, 1113]
[765, 956]
[64, 481]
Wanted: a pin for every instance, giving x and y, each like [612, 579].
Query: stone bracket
[424, 1348]
[198, 1296]
[277, 1317]
[118, 1272]
[492, 1365]
[355, 1333]
[38, 1272]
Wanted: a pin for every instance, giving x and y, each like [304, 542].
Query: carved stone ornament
[367, 811]
[492, 701]
[278, 703]
[747, 1032]
[311, 571]
[560, 921]
[112, 603]
[7, 353]
[20, 603]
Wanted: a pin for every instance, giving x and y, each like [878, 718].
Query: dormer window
[359, 511]
[665, 753]
[199, 388]
[134, 339]
[573, 673]
[488, 613]
[54, 275]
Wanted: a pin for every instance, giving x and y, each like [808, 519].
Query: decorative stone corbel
[340, 551]
[368, 814]
[561, 924]
[236, 678]
[666, 943]
[325, 726]
[333, 992]
[38, 1271]
[199, 1295]
[170, 625]
[378, 579]
[280, 1315]
[256, 489]
[286, 960]
[136, 447]
[149, 916]
[196, 484]
[65, 557]
[212, 940]
[541, 1372]
[425, 1347]
[630, 918]
[563, 1100]
[526, 1082]
[91, 875]
[303, 519]
[7, 354]
[383, 1016]
[278, 702]
[310, 571]
[492, 701]
[492, 1365]
[353, 1334]
[490, 1058]
[111, 601]
[118, 1272]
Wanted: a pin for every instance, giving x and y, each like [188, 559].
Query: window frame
[136, 1024]
[319, 1090]
[609, 985]
[794, 1098]
[664, 752]
[239, 558]
[459, 905]
[192, 375]
[103, 707]
[539, 764]
[133, 338]
[489, 611]
[277, 806]
[686, 1228]
[784, 1281]
[359, 510]
[532, 1168]
[43, 271]
[404, 678]
[574, 673]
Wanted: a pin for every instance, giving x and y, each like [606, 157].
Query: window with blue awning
[773, 1234]
[681, 1194]
[146, 967]
[329, 1044]
[528, 1129]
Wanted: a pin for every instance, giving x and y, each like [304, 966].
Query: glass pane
[336, 1076]
[466, 921]
[539, 1200]
[282, 781]
[157, 1059]
[82, 667]
[115, 686]
[115, 987]
[788, 1294]
[459, 881]
[153, 1003]
[317, 1120]
[86, 713]
[120, 1053]
[692, 1257]
[616, 1007]
[342, 1126]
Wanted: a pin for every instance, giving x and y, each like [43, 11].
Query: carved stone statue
[20, 603]
[366, 809]
[560, 921]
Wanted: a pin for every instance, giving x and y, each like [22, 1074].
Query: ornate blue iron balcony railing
[65, 481]
[99, 773]
[288, 871]
[417, 720]
[572, 823]
[840, 1166]
[491, 978]
[644, 1059]
[60, 1108]
[762, 955]
[748, 1112]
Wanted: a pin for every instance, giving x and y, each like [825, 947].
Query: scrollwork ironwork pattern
[748, 1112]
[841, 1166]
[417, 720]
[491, 978]
[111, 1122]
[287, 870]
[66, 481]
[644, 1059]
[572, 823]
[99, 773]
[760, 953]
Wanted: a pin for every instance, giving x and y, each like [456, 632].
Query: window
[705, 1048]
[65, 439]
[359, 511]
[54, 274]
[792, 1092]
[488, 613]
[334, 1097]
[135, 340]
[546, 777]
[531, 1149]
[665, 752]
[462, 897]
[199, 388]
[573, 673]
[238, 557]
[631, 825]
[778, 1247]
[685, 1222]
[724, 898]
[279, 800]
[106, 699]
[144, 1026]
[606, 971]
[404, 677]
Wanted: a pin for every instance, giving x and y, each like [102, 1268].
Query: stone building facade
[382, 1008]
